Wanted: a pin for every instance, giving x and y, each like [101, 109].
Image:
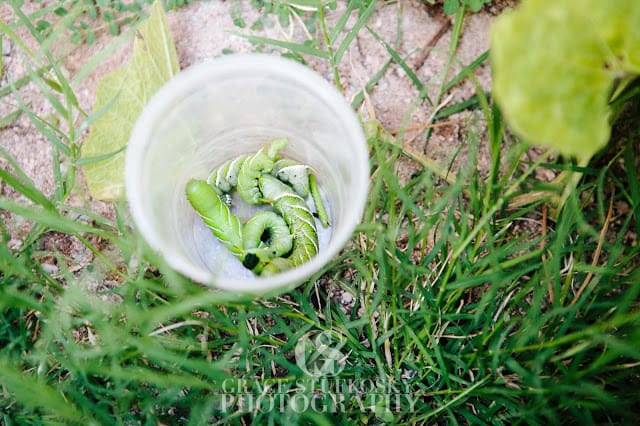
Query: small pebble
[14, 244]
[346, 298]
[50, 268]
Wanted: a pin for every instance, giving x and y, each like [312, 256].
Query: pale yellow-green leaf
[120, 98]
[554, 65]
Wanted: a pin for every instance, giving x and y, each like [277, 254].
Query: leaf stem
[332, 58]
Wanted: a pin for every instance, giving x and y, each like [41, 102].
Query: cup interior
[213, 112]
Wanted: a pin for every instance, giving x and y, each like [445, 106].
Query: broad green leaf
[554, 66]
[451, 6]
[120, 98]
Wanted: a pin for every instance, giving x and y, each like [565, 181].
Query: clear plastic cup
[212, 112]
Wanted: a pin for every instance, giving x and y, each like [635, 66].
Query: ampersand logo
[318, 353]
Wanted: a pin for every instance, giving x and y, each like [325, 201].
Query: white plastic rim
[169, 138]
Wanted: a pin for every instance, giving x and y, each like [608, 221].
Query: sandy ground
[204, 30]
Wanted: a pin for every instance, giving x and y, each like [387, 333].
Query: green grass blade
[344, 18]
[4, 28]
[466, 70]
[22, 183]
[396, 57]
[24, 387]
[23, 81]
[52, 220]
[98, 158]
[363, 18]
[459, 107]
[359, 97]
[9, 118]
[49, 130]
[294, 47]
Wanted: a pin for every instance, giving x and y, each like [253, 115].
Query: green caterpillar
[266, 236]
[254, 166]
[294, 174]
[225, 177]
[297, 176]
[270, 242]
[216, 215]
[296, 213]
[243, 171]
[323, 216]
